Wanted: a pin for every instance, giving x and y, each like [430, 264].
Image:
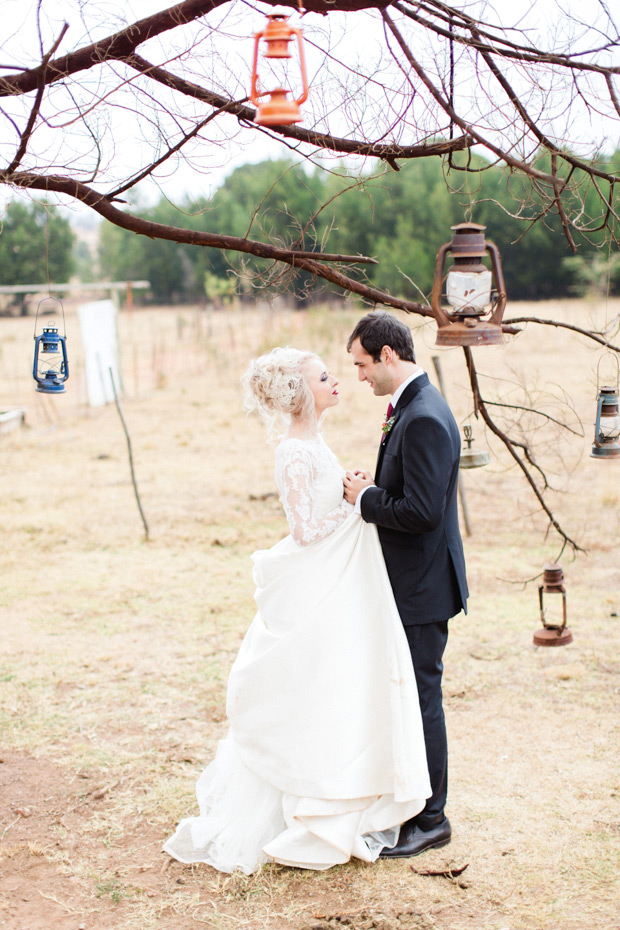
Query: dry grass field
[115, 651]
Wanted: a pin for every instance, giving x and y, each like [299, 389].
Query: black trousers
[427, 643]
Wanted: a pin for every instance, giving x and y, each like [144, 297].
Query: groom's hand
[354, 482]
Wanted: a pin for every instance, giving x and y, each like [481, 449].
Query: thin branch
[538, 413]
[531, 124]
[557, 200]
[612, 93]
[537, 132]
[511, 446]
[163, 158]
[589, 334]
[116, 46]
[123, 43]
[130, 454]
[500, 46]
[359, 183]
[318, 139]
[464, 125]
[36, 106]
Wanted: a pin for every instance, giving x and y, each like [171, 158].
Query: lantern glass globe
[610, 427]
[469, 290]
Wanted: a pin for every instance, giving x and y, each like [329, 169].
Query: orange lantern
[279, 110]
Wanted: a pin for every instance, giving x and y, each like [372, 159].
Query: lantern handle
[597, 421]
[62, 310]
[615, 358]
[254, 94]
[500, 306]
[253, 89]
[440, 263]
[302, 67]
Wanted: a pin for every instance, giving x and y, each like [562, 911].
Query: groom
[413, 501]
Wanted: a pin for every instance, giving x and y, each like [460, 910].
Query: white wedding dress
[324, 757]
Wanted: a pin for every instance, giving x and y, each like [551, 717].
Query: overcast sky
[354, 37]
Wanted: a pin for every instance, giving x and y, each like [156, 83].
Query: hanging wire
[614, 356]
[47, 251]
[608, 283]
[62, 310]
[451, 95]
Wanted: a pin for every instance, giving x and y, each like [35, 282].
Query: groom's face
[376, 373]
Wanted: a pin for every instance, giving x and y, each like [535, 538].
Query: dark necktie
[390, 411]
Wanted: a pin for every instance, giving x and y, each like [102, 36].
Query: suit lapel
[403, 401]
[386, 436]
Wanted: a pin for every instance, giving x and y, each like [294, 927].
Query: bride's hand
[354, 482]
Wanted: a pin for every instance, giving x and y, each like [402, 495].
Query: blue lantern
[51, 367]
[606, 443]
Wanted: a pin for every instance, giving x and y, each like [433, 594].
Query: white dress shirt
[394, 400]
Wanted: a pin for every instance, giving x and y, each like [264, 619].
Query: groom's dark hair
[380, 328]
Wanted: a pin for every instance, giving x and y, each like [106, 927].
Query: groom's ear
[387, 355]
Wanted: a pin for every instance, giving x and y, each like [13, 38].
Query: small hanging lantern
[606, 443]
[472, 320]
[51, 367]
[552, 634]
[472, 458]
[279, 110]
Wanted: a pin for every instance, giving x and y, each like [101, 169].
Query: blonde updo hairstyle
[275, 386]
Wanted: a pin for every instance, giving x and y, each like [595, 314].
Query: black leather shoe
[412, 840]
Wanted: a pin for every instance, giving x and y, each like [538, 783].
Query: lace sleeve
[295, 478]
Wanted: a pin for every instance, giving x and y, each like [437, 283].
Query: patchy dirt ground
[115, 651]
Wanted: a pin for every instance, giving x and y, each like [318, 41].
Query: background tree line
[36, 246]
[400, 217]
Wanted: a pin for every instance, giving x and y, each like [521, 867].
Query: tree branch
[463, 124]
[589, 334]
[511, 447]
[497, 44]
[36, 106]
[116, 46]
[538, 413]
[486, 52]
[113, 195]
[308, 261]
[123, 43]
[318, 139]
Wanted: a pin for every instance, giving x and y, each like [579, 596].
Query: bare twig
[588, 333]
[511, 446]
[128, 438]
[36, 106]
[318, 139]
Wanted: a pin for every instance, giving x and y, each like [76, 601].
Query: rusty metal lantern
[552, 634]
[279, 110]
[476, 294]
[472, 458]
[606, 443]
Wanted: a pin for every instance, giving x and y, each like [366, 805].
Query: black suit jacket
[415, 507]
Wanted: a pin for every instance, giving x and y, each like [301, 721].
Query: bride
[325, 757]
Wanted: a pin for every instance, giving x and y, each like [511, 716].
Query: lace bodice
[309, 481]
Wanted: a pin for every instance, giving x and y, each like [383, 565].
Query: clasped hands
[354, 482]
